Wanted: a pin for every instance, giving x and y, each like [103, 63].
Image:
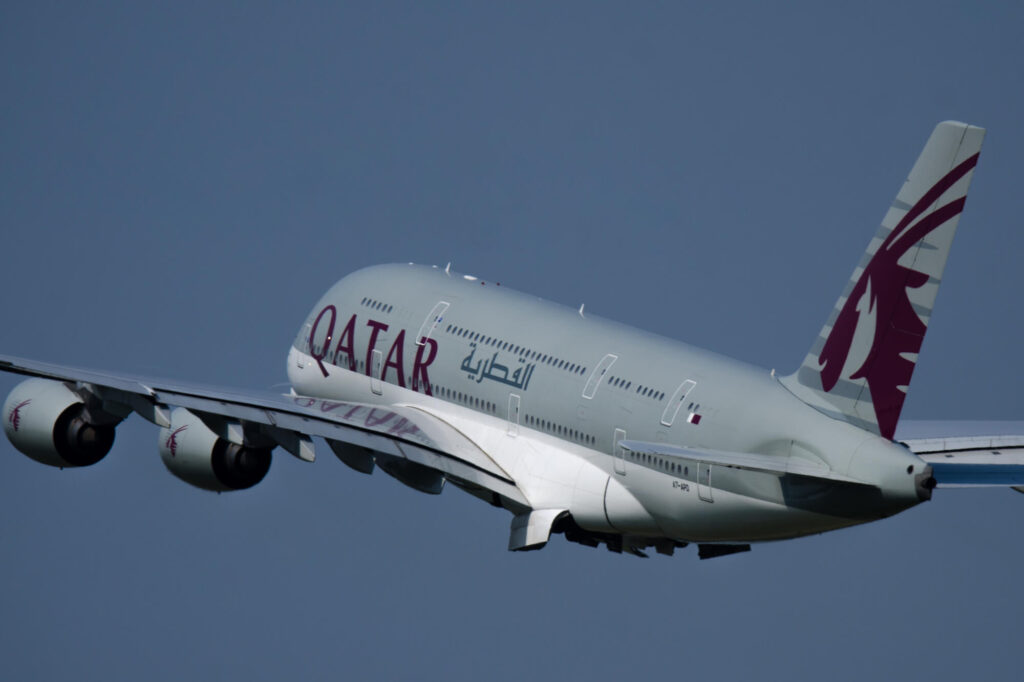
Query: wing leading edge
[393, 433]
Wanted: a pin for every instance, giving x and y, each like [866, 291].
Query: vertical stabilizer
[859, 367]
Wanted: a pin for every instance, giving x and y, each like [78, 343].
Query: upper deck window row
[376, 305]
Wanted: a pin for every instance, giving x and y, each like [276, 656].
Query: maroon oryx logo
[172, 440]
[881, 293]
[15, 416]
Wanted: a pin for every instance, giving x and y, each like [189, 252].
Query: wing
[418, 448]
[969, 454]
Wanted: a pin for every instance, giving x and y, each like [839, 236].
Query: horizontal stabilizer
[744, 460]
[987, 475]
[973, 461]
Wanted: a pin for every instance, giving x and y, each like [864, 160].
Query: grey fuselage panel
[492, 342]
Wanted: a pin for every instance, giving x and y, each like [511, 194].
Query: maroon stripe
[930, 222]
[898, 329]
[932, 195]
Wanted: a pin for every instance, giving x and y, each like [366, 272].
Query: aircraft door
[597, 376]
[430, 323]
[618, 452]
[704, 481]
[513, 415]
[676, 401]
[377, 363]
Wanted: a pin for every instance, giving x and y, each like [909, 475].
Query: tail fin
[859, 368]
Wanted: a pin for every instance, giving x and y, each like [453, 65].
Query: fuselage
[549, 392]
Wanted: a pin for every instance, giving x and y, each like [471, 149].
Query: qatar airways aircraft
[575, 424]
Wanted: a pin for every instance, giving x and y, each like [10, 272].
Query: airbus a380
[575, 424]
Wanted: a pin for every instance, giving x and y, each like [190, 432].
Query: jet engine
[196, 455]
[50, 423]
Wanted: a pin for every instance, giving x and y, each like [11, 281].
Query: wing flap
[289, 420]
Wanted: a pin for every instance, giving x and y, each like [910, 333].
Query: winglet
[859, 368]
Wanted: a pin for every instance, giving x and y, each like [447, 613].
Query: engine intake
[49, 422]
[196, 455]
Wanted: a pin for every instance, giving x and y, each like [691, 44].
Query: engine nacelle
[49, 422]
[196, 455]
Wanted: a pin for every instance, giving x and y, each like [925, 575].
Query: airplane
[578, 425]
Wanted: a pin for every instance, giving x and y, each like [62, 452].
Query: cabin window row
[559, 429]
[645, 391]
[660, 463]
[342, 360]
[463, 398]
[376, 305]
[648, 392]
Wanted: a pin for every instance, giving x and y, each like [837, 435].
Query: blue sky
[180, 182]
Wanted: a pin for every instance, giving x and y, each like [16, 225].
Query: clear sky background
[179, 184]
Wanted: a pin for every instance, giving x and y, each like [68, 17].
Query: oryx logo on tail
[860, 366]
[882, 293]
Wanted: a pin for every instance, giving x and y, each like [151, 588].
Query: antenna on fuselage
[448, 269]
[581, 309]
